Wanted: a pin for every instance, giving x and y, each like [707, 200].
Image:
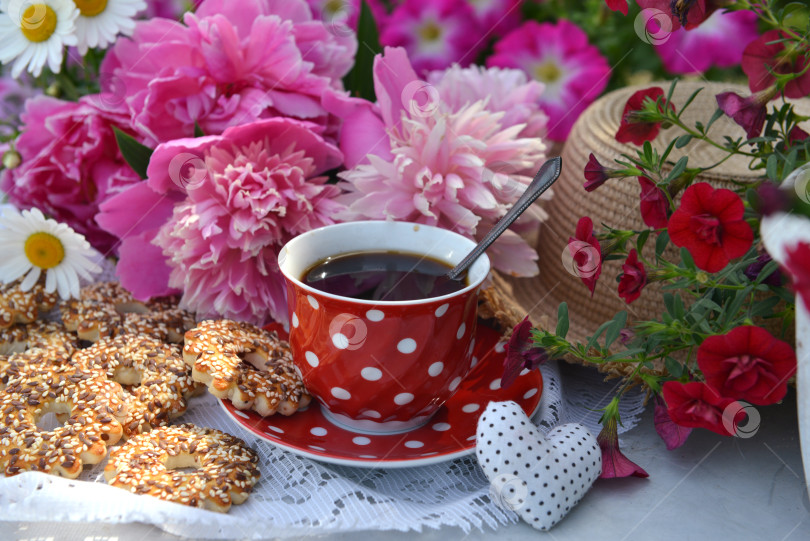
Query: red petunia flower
[797, 135]
[631, 130]
[747, 363]
[763, 58]
[673, 434]
[634, 278]
[614, 463]
[748, 112]
[521, 353]
[709, 223]
[686, 13]
[654, 204]
[595, 174]
[697, 405]
[798, 265]
[617, 5]
[586, 254]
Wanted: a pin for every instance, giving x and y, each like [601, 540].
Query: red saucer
[449, 434]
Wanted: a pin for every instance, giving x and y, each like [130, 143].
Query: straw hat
[615, 204]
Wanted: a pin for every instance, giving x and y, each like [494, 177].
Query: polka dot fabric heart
[539, 477]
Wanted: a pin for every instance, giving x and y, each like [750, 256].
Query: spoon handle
[545, 177]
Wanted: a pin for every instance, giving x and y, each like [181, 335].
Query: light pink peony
[70, 163]
[247, 192]
[435, 33]
[458, 164]
[230, 64]
[696, 50]
[558, 55]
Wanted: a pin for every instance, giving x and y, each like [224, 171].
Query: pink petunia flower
[496, 17]
[248, 191]
[654, 204]
[708, 45]
[458, 164]
[230, 64]
[558, 55]
[435, 33]
[521, 353]
[70, 163]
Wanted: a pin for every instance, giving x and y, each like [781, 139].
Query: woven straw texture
[614, 204]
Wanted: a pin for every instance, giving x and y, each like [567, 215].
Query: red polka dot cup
[380, 366]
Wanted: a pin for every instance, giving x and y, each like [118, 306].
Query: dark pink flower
[634, 278]
[559, 56]
[689, 13]
[617, 5]
[496, 17]
[765, 57]
[595, 174]
[770, 199]
[633, 130]
[797, 135]
[586, 253]
[521, 353]
[697, 50]
[435, 33]
[798, 265]
[697, 405]
[753, 271]
[70, 163]
[749, 112]
[614, 463]
[230, 64]
[654, 204]
[674, 435]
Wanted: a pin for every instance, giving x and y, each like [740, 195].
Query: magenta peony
[436, 33]
[248, 191]
[558, 55]
[696, 50]
[458, 164]
[230, 64]
[70, 163]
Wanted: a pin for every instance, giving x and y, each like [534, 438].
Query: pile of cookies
[113, 372]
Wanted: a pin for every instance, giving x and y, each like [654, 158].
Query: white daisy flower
[100, 21]
[30, 244]
[35, 32]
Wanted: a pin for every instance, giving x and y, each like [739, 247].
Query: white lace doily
[298, 496]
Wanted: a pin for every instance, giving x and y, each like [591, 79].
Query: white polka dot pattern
[312, 359]
[435, 369]
[375, 315]
[539, 477]
[313, 302]
[407, 345]
[370, 373]
[340, 393]
[441, 310]
[403, 398]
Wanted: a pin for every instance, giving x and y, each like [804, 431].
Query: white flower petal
[31, 279]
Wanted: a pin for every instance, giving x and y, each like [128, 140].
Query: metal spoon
[545, 177]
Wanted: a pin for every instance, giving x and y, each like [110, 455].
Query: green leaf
[682, 141]
[687, 260]
[771, 167]
[764, 307]
[562, 320]
[790, 163]
[198, 132]
[669, 303]
[661, 243]
[619, 322]
[360, 80]
[593, 339]
[624, 355]
[642, 240]
[674, 368]
[689, 100]
[135, 154]
[717, 114]
[677, 169]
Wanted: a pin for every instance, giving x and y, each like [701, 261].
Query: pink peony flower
[248, 191]
[232, 63]
[436, 33]
[558, 55]
[458, 164]
[696, 50]
[70, 163]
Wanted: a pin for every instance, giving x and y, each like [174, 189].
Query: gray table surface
[712, 488]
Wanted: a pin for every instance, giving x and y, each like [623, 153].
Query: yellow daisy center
[430, 31]
[91, 8]
[38, 22]
[44, 250]
[548, 72]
